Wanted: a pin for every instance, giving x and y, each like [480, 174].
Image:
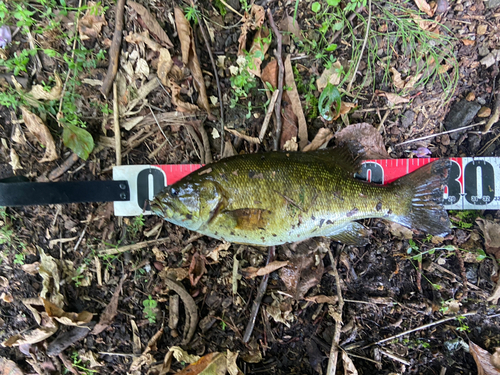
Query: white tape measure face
[473, 183]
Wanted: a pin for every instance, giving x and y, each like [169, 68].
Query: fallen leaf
[146, 358]
[142, 68]
[197, 268]
[66, 318]
[109, 313]
[491, 58]
[270, 73]
[396, 79]
[49, 271]
[209, 364]
[425, 7]
[182, 356]
[251, 22]
[39, 92]
[36, 127]
[468, 42]
[289, 25]
[151, 23]
[332, 300]
[14, 162]
[427, 25]
[491, 231]
[293, 94]
[344, 109]
[332, 75]
[8, 367]
[79, 140]
[281, 313]
[483, 360]
[495, 359]
[181, 105]
[393, 99]
[32, 336]
[349, 368]
[143, 38]
[91, 23]
[364, 139]
[323, 136]
[252, 272]
[484, 112]
[190, 58]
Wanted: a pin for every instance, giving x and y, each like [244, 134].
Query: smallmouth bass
[281, 197]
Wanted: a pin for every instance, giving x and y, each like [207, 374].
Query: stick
[114, 51]
[334, 351]
[258, 298]
[425, 326]
[496, 114]
[281, 69]
[116, 120]
[133, 247]
[446, 132]
[59, 171]
[368, 24]
[269, 113]
[214, 67]
[247, 138]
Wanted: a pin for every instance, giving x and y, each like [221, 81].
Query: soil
[385, 290]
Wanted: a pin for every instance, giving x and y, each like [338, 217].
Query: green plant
[463, 327]
[19, 259]
[192, 14]
[80, 365]
[463, 219]
[150, 309]
[136, 226]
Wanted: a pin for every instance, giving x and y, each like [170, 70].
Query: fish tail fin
[426, 186]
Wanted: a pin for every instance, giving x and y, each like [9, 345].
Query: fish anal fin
[250, 218]
[352, 233]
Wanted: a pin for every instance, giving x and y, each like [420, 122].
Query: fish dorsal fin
[340, 156]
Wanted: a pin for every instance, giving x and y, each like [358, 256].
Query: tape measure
[471, 185]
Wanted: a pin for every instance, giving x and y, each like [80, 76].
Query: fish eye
[173, 192]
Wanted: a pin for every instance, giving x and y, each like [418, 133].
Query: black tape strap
[39, 193]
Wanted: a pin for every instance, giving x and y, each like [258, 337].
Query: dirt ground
[138, 294]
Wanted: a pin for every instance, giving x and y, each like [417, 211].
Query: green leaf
[331, 47]
[333, 3]
[316, 7]
[330, 95]
[78, 140]
[50, 52]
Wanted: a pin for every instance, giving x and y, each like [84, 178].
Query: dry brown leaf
[91, 23]
[252, 272]
[8, 367]
[150, 22]
[270, 73]
[213, 363]
[182, 106]
[190, 58]
[288, 122]
[349, 368]
[289, 26]
[293, 94]
[491, 231]
[15, 163]
[495, 359]
[165, 64]
[143, 37]
[323, 136]
[363, 139]
[251, 22]
[468, 42]
[425, 7]
[427, 25]
[400, 231]
[32, 336]
[66, 318]
[331, 75]
[483, 360]
[396, 79]
[344, 109]
[50, 273]
[42, 133]
[109, 313]
[182, 356]
[484, 112]
[332, 300]
[197, 268]
[393, 99]
[39, 93]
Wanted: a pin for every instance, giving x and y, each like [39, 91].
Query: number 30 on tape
[472, 182]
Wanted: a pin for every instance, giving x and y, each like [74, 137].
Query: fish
[274, 198]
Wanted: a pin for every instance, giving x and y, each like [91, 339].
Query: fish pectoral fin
[250, 218]
[352, 233]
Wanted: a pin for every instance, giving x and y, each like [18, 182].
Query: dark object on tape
[15, 191]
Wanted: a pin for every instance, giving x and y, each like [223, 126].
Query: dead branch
[116, 118]
[281, 69]
[114, 51]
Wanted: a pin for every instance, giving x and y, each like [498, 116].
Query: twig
[368, 24]
[214, 67]
[72, 58]
[425, 326]
[334, 351]
[192, 134]
[158, 124]
[258, 298]
[247, 138]
[437, 134]
[136, 246]
[116, 120]
[281, 69]
[59, 171]
[114, 51]
[206, 143]
[231, 8]
[269, 113]
[394, 356]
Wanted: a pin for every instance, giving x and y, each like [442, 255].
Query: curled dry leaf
[143, 37]
[323, 299]
[344, 109]
[252, 272]
[38, 92]
[363, 139]
[491, 231]
[293, 94]
[190, 58]
[483, 360]
[181, 105]
[66, 318]
[323, 136]
[349, 368]
[393, 99]
[399, 231]
[32, 336]
[151, 23]
[197, 268]
[425, 7]
[165, 64]
[213, 363]
[331, 75]
[251, 22]
[50, 273]
[259, 47]
[404, 84]
[109, 313]
[426, 25]
[182, 356]
[289, 25]
[91, 23]
[36, 127]
[14, 160]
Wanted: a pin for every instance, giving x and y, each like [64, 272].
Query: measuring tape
[471, 182]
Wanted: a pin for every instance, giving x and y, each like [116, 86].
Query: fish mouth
[158, 207]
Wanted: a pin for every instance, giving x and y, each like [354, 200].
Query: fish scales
[275, 198]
